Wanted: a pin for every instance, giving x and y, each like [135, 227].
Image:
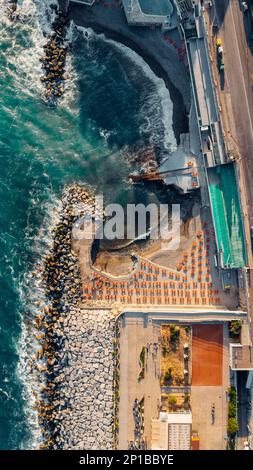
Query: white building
[172, 431]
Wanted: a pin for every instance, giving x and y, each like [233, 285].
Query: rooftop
[172, 431]
[147, 12]
[227, 215]
[241, 357]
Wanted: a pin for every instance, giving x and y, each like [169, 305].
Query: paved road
[235, 91]
[235, 32]
[243, 413]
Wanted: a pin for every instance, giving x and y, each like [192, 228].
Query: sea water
[112, 106]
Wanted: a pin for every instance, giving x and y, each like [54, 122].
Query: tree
[174, 335]
[142, 356]
[232, 394]
[235, 327]
[172, 400]
[168, 375]
[232, 426]
[232, 410]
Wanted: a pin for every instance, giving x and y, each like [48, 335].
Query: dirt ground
[120, 263]
[207, 352]
[172, 357]
[150, 273]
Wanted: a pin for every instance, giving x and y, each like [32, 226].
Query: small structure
[149, 12]
[184, 6]
[172, 431]
[84, 2]
[180, 168]
[195, 441]
[241, 357]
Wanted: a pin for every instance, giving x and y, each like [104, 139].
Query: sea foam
[160, 96]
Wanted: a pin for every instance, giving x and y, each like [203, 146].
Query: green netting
[227, 214]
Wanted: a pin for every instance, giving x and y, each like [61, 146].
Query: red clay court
[207, 352]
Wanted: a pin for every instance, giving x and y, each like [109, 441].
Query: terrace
[148, 12]
[227, 215]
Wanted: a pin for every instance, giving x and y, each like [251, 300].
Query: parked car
[244, 6]
[220, 56]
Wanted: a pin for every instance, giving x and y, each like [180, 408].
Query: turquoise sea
[113, 105]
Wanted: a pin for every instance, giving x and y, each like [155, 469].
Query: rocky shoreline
[54, 59]
[78, 360]
[11, 10]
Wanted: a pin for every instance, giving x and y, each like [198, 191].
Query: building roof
[179, 436]
[179, 418]
[147, 12]
[241, 357]
[172, 431]
[226, 211]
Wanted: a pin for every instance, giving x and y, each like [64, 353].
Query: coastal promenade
[204, 384]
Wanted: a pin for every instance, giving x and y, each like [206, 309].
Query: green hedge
[232, 424]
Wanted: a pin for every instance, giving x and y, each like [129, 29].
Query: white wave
[35, 23]
[34, 18]
[162, 92]
[6, 394]
[70, 96]
[33, 300]
[149, 108]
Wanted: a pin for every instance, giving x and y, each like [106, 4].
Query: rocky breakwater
[54, 59]
[87, 381]
[75, 365]
[11, 9]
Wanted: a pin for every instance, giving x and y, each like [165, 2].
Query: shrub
[141, 375]
[174, 334]
[232, 426]
[172, 400]
[235, 327]
[165, 350]
[142, 356]
[232, 410]
[168, 375]
[232, 394]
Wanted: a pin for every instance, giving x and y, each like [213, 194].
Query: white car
[244, 6]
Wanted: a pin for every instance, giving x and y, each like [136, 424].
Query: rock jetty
[77, 363]
[54, 59]
[11, 10]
